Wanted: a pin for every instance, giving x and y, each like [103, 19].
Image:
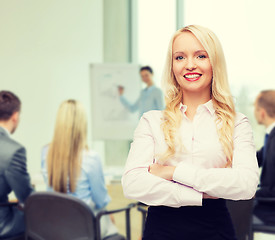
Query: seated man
[13, 171]
[265, 114]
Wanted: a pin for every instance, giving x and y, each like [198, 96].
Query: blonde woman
[184, 161]
[69, 167]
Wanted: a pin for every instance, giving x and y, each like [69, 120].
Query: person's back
[90, 181]
[265, 115]
[80, 168]
[13, 173]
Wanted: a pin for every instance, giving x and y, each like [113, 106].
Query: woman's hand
[165, 172]
[206, 196]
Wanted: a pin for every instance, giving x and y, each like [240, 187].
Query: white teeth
[192, 75]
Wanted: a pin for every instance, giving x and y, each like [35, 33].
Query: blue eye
[179, 58]
[201, 56]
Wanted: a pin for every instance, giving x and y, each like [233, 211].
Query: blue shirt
[151, 98]
[90, 185]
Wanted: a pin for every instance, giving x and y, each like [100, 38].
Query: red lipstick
[192, 77]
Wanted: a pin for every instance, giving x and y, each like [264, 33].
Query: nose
[190, 65]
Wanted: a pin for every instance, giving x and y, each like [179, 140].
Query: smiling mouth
[192, 77]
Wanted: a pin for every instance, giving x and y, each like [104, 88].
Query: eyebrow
[196, 52]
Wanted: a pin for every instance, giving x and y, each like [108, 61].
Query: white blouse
[199, 166]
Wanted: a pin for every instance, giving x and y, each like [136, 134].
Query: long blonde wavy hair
[65, 150]
[220, 92]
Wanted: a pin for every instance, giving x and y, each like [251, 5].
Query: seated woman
[68, 166]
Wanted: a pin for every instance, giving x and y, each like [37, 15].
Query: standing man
[151, 97]
[13, 170]
[265, 115]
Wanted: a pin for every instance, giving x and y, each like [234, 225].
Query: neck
[149, 84]
[269, 121]
[193, 100]
[5, 125]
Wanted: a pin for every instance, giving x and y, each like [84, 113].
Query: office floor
[118, 201]
[261, 236]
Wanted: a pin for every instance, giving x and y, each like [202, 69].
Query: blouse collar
[208, 106]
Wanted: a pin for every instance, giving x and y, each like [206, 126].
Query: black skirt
[211, 221]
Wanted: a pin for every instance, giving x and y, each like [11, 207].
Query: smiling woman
[212, 84]
[187, 159]
[191, 64]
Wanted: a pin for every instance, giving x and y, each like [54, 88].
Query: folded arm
[139, 184]
[238, 182]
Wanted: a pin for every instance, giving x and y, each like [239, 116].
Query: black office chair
[262, 227]
[241, 215]
[20, 236]
[57, 216]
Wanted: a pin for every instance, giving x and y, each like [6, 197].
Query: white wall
[156, 25]
[46, 47]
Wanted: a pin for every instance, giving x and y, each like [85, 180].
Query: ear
[262, 113]
[15, 117]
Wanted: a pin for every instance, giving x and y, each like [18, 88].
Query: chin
[194, 89]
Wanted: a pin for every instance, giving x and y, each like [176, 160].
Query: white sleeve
[238, 182]
[140, 185]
